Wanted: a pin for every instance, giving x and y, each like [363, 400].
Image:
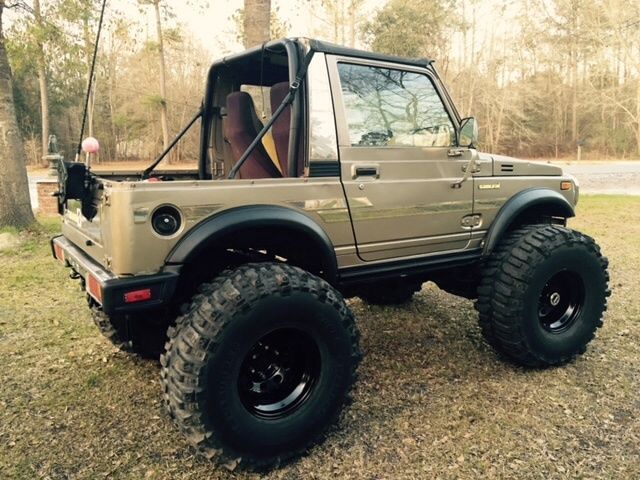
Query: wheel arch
[533, 203]
[249, 222]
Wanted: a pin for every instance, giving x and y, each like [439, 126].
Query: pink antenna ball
[90, 145]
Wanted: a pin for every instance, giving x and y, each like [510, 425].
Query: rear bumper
[107, 289]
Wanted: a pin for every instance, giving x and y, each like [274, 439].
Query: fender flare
[235, 219]
[557, 205]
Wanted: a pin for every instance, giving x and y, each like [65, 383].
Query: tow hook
[73, 275]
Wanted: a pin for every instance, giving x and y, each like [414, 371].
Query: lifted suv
[363, 182]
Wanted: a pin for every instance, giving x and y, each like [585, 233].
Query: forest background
[541, 76]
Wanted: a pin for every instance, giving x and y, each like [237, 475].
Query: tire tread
[197, 333]
[503, 279]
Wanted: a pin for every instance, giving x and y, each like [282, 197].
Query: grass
[432, 400]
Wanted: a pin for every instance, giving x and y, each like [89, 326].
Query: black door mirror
[468, 132]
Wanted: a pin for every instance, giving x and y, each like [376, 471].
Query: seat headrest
[278, 92]
[241, 112]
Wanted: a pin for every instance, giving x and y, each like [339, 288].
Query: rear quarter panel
[134, 248]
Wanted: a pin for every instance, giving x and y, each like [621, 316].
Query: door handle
[366, 171]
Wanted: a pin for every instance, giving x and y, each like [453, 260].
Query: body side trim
[379, 271]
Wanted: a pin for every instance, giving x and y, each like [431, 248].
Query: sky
[213, 20]
[210, 20]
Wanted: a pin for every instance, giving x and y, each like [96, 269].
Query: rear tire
[260, 364]
[542, 295]
[143, 335]
[389, 292]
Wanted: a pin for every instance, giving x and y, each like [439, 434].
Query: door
[399, 160]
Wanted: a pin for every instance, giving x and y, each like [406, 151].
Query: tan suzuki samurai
[361, 179]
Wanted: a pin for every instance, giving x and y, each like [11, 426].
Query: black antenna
[90, 83]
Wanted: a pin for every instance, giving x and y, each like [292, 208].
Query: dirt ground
[432, 400]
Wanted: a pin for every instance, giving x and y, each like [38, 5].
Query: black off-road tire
[143, 335]
[516, 295]
[390, 292]
[204, 366]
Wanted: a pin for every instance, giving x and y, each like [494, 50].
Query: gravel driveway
[620, 178]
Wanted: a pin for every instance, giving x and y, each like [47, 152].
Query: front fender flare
[554, 204]
[236, 219]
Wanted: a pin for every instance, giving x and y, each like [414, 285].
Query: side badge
[488, 186]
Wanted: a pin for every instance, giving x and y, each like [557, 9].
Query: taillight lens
[57, 249]
[93, 287]
[137, 295]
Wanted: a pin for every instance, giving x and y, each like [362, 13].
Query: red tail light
[93, 287]
[59, 252]
[137, 295]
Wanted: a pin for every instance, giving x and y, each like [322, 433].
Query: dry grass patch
[432, 400]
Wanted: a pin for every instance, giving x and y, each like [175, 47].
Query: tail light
[59, 252]
[94, 288]
[137, 295]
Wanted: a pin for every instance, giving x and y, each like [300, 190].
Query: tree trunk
[353, 7]
[15, 206]
[574, 72]
[574, 98]
[42, 79]
[638, 114]
[257, 21]
[164, 122]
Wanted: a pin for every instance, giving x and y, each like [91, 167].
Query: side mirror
[468, 132]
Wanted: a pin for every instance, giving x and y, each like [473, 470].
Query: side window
[387, 107]
[323, 143]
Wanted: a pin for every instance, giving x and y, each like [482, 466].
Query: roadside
[611, 178]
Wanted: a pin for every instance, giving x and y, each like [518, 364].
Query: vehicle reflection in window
[387, 107]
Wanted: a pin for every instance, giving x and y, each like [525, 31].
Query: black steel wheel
[561, 301]
[278, 373]
[260, 364]
[542, 295]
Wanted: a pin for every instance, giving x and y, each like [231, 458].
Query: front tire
[542, 295]
[260, 364]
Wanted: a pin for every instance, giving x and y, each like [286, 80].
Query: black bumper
[112, 288]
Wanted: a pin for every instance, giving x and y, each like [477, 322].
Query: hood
[504, 166]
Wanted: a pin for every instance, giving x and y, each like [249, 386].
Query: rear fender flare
[237, 219]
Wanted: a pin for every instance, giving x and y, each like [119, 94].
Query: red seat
[241, 128]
